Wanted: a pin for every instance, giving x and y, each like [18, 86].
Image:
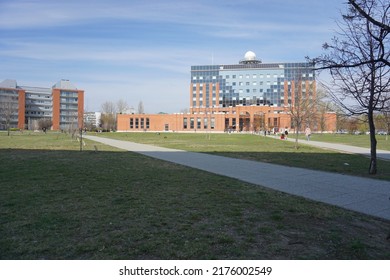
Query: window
[234, 76]
[131, 123]
[142, 123]
[254, 76]
[205, 123]
[185, 123]
[198, 123]
[192, 123]
[136, 123]
[247, 83]
[212, 123]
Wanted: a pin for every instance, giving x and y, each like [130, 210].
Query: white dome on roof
[249, 55]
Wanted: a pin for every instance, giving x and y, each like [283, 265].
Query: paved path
[381, 154]
[363, 195]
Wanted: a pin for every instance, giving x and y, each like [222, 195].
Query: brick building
[249, 96]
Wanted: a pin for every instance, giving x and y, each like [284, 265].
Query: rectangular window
[198, 123]
[136, 123]
[205, 123]
[131, 123]
[147, 123]
[142, 123]
[192, 123]
[212, 123]
[185, 123]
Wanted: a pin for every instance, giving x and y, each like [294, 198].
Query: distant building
[248, 96]
[92, 120]
[63, 103]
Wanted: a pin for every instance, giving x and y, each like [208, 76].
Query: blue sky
[142, 50]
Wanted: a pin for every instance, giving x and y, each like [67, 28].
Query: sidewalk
[363, 195]
[381, 154]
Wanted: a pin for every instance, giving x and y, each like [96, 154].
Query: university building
[63, 103]
[248, 96]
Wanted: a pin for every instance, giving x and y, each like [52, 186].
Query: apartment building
[63, 103]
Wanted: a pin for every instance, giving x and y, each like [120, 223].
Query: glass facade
[254, 84]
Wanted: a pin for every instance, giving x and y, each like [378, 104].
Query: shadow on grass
[349, 164]
[122, 205]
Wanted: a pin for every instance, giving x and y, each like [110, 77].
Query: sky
[143, 50]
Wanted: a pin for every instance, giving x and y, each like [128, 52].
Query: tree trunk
[373, 166]
[297, 126]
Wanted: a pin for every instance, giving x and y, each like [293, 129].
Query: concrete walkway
[381, 154]
[363, 195]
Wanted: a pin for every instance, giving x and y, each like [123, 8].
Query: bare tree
[122, 106]
[362, 8]
[8, 110]
[45, 124]
[302, 107]
[108, 118]
[141, 109]
[357, 59]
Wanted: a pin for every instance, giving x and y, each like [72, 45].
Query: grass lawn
[353, 140]
[59, 203]
[265, 149]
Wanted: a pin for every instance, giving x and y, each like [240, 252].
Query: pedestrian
[286, 132]
[308, 133]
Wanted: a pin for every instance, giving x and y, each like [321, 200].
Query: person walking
[308, 133]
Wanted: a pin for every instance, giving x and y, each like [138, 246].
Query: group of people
[284, 135]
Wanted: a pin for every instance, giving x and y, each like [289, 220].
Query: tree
[108, 118]
[8, 110]
[141, 108]
[45, 124]
[375, 12]
[122, 106]
[302, 107]
[356, 60]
